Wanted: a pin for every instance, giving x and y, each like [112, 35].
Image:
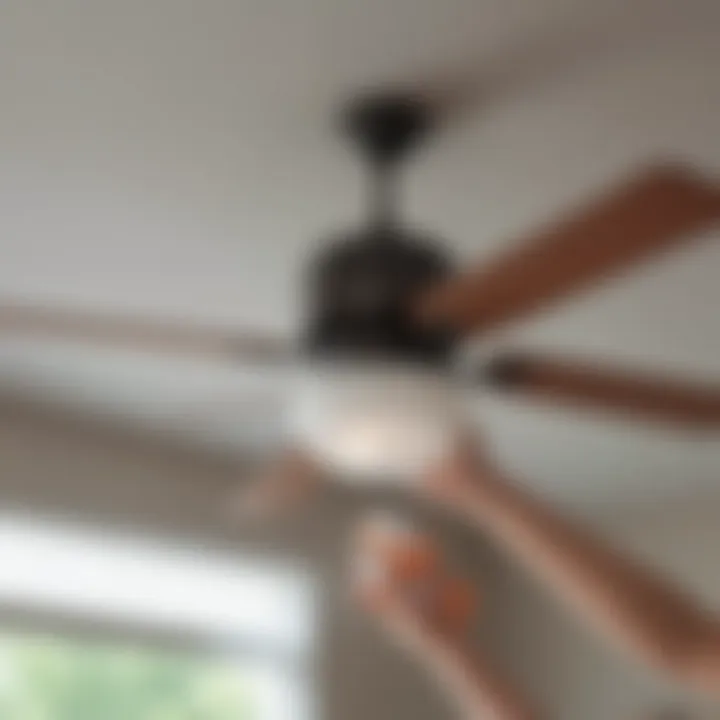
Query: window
[144, 631]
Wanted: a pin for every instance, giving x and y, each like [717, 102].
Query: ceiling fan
[386, 312]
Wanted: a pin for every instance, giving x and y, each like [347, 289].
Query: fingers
[390, 549]
[401, 578]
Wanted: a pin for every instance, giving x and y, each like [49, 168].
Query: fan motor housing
[364, 285]
[363, 289]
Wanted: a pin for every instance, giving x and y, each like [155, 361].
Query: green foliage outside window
[51, 679]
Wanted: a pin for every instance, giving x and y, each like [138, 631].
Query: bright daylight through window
[107, 628]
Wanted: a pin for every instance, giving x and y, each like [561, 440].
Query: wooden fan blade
[280, 487]
[593, 386]
[659, 208]
[153, 336]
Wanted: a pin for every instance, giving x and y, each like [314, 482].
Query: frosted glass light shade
[375, 422]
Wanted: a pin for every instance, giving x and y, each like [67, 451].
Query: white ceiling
[175, 158]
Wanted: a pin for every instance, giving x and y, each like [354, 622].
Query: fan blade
[281, 486]
[661, 207]
[37, 323]
[589, 385]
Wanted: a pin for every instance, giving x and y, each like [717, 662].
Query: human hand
[402, 580]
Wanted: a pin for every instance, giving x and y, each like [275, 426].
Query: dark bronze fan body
[364, 285]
